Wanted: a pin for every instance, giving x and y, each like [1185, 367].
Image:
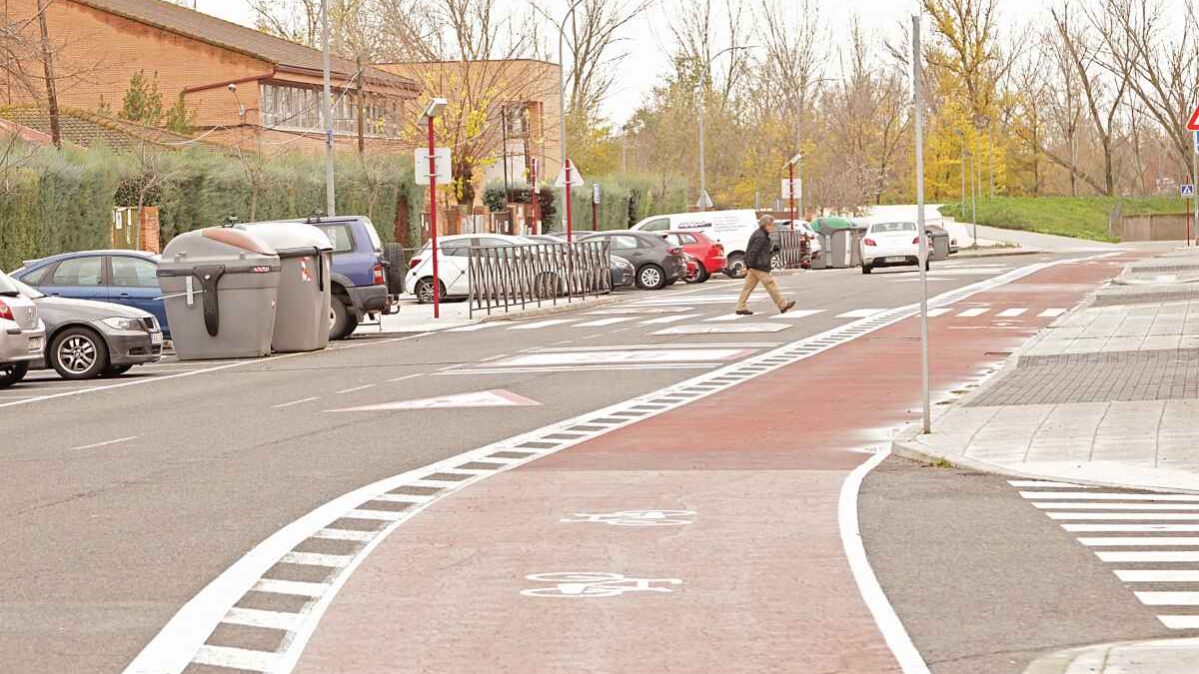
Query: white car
[22, 333]
[731, 229]
[890, 244]
[452, 259]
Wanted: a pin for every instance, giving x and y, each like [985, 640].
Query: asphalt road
[119, 500]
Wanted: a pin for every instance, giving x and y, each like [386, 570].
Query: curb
[1098, 658]
[1000, 252]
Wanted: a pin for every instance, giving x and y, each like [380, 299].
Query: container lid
[217, 245]
[290, 239]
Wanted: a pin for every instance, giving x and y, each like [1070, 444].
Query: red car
[708, 254]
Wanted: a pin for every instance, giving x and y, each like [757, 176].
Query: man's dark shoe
[789, 307]
[745, 312]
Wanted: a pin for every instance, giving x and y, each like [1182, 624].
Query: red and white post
[791, 190]
[566, 197]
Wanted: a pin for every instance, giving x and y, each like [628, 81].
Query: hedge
[58, 201]
[624, 200]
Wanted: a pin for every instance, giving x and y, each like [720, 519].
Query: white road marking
[345, 534]
[537, 325]
[872, 593]
[355, 389]
[1052, 313]
[291, 587]
[933, 313]
[474, 399]
[655, 347]
[722, 329]
[605, 322]
[405, 377]
[638, 311]
[316, 559]
[106, 443]
[861, 313]
[176, 645]
[1117, 506]
[1133, 517]
[1168, 598]
[726, 317]
[798, 313]
[1180, 622]
[1130, 528]
[622, 356]
[1012, 313]
[293, 403]
[403, 498]
[974, 313]
[1046, 485]
[1158, 576]
[576, 368]
[1149, 556]
[1139, 541]
[377, 515]
[237, 658]
[251, 617]
[476, 327]
[669, 319]
[1108, 496]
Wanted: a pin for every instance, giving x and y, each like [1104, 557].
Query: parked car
[708, 254]
[22, 333]
[731, 229]
[126, 277]
[888, 244]
[87, 339]
[623, 274]
[359, 276]
[452, 259]
[658, 264]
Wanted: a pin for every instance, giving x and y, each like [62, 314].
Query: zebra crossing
[1149, 539]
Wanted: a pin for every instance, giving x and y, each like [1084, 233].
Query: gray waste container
[840, 248]
[940, 246]
[821, 261]
[221, 286]
[305, 253]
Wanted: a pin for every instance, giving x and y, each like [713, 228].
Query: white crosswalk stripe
[1052, 313]
[1147, 529]
[1013, 313]
[861, 313]
[974, 313]
[798, 313]
[537, 325]
[933, 313]
[669, 319]
[604, 322]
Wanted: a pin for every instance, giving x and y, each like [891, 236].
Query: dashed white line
[1139, 541]
[1132, 517]
[252, 617]
[1180, 622]
[345, 534]
[236, 658]
[1052, 313]
[106, 443]
[405, 377]
[1012, 313]
[1130, 528]
[355, 389]
[1156, 576]
[861, 313]
[1108, 496]
[669, 319]
[1149, 556]
[605, 322]
[1117, 506]
[292, 587]
[293, 403]
[537, 325]
[974, 313]
[316, 559]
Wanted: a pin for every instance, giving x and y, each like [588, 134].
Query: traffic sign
[576, 177]
[705, 201]
[1195, 137]
[1193, 123]
[595, 193]
[792, 189]
[1186, 190]
[441, 158]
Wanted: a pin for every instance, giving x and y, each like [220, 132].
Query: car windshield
[8, 286]
[893, 227]
[27, 291]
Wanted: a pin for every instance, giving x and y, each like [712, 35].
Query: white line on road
[106, 443]
[355, 389]
[345, 534]
[797, 313]
[237, 658]
[1108, 496]
[1130, 528]
[1012, 313]
[252, 617]
[573, 368]
[293, 403]
[1180, 622]
[933, 313]
[1139, 541]
[1052, 313]
[292, 587]
[537, 325]
[605, 322]
[657, 347]
[1158, 576]
[974, 313]
[1132, 517]
[475, 327]
[1117, 506]
[316, 559]
[872, 593]
[405, 377]
[861, 313]
[1168, 598]
[1041, 484]
[669, 319]
[1149, 556]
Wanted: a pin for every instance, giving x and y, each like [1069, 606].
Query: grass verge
[1077, 217]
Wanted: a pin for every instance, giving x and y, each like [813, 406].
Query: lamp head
[435, 107]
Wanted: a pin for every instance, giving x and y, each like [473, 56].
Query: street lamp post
[327, 110]
[791, 164]
[921, 233]
[432, 112]
[562, 117]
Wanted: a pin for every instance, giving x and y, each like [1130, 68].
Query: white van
[731, 229]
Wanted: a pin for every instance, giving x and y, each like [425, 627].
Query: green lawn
[1078, 217]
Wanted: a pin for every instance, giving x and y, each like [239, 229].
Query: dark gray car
[86, 339]
[657, 263]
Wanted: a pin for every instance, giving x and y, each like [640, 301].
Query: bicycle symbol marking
[637, 518]
[587, 584]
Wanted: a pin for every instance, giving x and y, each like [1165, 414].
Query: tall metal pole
[327, 111]
[562, 112]
[963, 172]
[433, 221]
[1194, 177]
[974, 193]
[798, 154]
[791, 192]
[923, 235]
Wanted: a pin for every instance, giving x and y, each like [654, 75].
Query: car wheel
[651, 277]
[115, 370]
[424, 291]
[12, 373]
[703, 274]
[776, 262]
[866, 269]
[339, 325]
[736, 266]
[78, 353]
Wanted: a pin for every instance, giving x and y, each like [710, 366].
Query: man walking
[757, 259]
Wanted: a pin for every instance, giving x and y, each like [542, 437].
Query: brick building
[274, 101]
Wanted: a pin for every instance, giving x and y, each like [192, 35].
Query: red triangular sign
[1193, 124]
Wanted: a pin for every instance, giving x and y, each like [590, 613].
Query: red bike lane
[704, 539]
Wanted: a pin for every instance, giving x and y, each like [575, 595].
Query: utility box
[221, 288]
[303, 315]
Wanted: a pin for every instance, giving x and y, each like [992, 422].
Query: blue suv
[359, 271]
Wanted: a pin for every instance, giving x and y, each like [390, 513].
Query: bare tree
[595, 31]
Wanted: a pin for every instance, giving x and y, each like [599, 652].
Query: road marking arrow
[493, 398]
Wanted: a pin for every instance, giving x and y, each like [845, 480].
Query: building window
[296, 108]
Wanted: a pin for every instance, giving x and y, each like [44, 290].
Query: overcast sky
[648, 40]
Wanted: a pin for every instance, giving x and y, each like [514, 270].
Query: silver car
[87, 339]
[22, 333]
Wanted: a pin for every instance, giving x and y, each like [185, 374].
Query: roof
[200, 26]
[85, 129]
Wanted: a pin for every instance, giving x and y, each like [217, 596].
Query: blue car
[127, 277]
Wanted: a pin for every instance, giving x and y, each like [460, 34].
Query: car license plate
[35, 345]
[897, 259]
[156, 338]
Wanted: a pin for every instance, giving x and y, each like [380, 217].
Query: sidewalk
[1108, 394]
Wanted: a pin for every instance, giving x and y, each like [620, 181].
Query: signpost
[1193, 127]
[569, 176]
[595, 201]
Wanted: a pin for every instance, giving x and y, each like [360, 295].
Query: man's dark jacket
[758, 251]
